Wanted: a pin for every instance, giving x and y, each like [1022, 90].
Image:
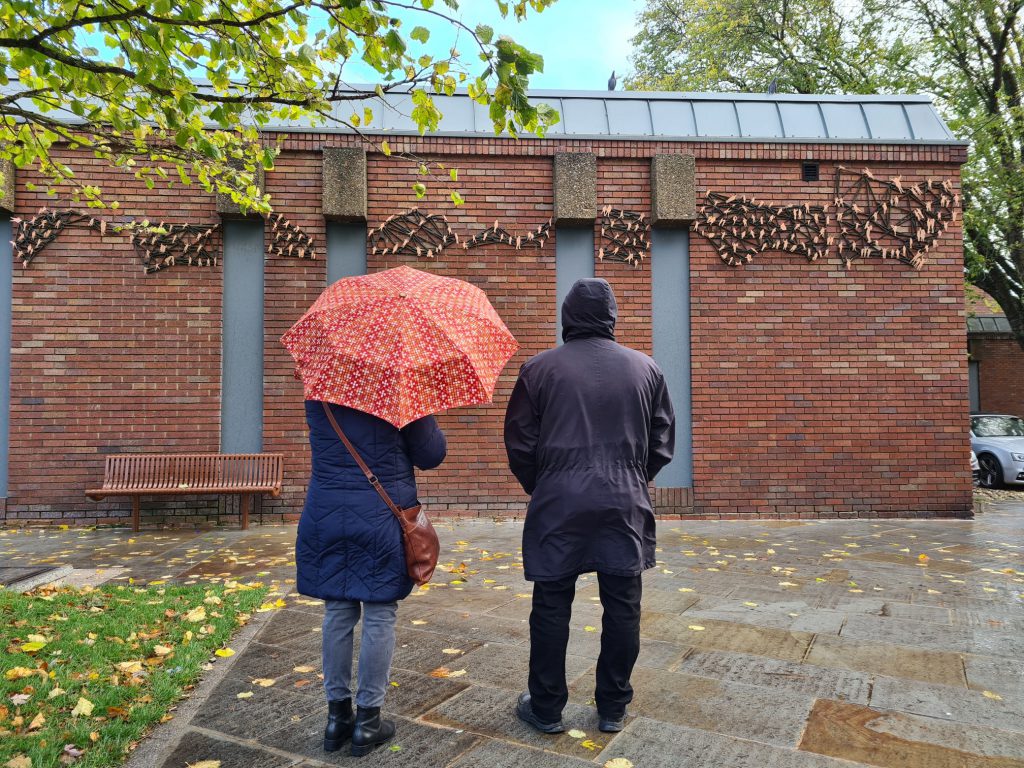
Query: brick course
[817, 391]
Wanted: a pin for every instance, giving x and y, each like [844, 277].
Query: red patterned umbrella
[400, 344]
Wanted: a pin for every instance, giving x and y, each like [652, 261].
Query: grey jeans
[376, 647]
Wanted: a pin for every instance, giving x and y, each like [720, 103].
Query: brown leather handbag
[419, 539]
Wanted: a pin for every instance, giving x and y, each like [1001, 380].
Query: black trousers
[549, 636]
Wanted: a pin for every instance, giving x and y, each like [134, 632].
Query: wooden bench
[155, 474]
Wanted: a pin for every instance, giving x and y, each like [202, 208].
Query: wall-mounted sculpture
[624, 236]
[740, 227]
[171, 245]
[158, 246]
[289, 240]
[413, 233]
[496, 235]
[32, 235]
[889, 220]
[874, 218]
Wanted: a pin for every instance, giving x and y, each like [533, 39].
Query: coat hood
[589, 310]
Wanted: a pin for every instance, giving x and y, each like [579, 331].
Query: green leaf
[454, 174]
[419, 189]
[421, 34]
[485, 33]
[385, 148]
[457, 199]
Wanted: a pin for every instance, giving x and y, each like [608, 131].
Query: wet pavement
[894, 643]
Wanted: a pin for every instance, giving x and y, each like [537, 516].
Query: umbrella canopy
[400, 344]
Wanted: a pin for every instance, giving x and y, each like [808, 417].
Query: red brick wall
[106, 359]
[1000, 373]
[817, 391]
[822, 391]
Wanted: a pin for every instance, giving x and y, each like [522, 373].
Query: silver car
[998, 440]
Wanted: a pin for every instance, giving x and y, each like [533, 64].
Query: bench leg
[135, 513]
[246, 501]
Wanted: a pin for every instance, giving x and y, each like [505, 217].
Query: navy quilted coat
[349, 543]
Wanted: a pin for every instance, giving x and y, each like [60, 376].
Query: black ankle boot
[370, 731]
[340, 721]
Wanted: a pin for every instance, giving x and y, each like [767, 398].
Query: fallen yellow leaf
[991, 695]
[196, 614]
[264, 682]
[162, 650]
[21, 761]
[244, 695]
[204, 764]
[696, 627]
[224, 652]
[589, 628]
[303, 669]
[618, 762]
[37, 722]
[577, 734]
[452, 651]
[31, 647]
[83, 708]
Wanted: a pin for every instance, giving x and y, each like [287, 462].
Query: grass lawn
[83, 674]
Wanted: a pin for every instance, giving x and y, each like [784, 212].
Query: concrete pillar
[344, 184]
[673, 190]
[575, 189]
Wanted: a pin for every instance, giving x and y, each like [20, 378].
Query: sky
[581, 41]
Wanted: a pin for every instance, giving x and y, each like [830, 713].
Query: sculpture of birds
[773, 86]
[612, 81]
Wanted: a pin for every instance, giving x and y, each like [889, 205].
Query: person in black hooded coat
[588, 426]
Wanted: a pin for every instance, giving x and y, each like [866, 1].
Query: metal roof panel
[716, 118]
[629, 118]
[925, 122]
[759, 118]
[845, 120]
[585, 116]
[802, 120]
[888, 120]
[672, 118]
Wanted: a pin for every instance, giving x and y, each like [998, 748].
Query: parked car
[998, 442]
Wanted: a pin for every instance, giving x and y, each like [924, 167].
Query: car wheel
[991, 475]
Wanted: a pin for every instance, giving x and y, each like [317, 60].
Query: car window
[997, 426]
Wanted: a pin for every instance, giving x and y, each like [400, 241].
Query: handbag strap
[372, 478]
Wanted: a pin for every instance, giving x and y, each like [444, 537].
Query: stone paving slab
[892, 660]
[491, 712]
[820, 682]
[770, 716]
[494, 754]
[419, 745]
[196, 746]
[654, 744]
[896, 740]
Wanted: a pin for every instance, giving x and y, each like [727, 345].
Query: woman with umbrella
[378, 355]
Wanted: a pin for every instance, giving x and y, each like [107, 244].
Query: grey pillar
[346, 250]
[6, 275]
[574, 260]
[241, 428]
[670, 281]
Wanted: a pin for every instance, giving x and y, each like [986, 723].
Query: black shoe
[339, 724]
[370, 731]
[525, 712]
[611, 724]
